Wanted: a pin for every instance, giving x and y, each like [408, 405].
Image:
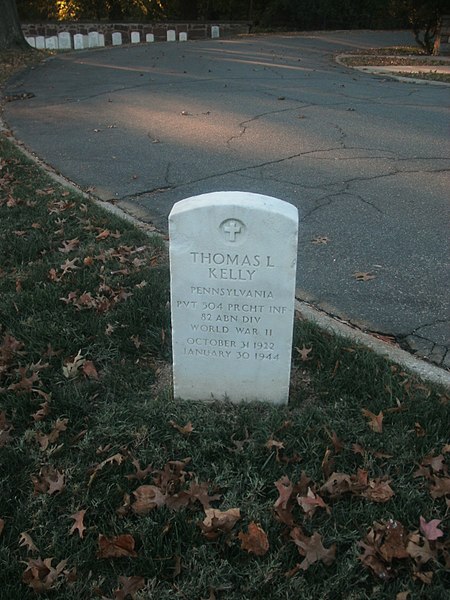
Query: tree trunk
[11, 36]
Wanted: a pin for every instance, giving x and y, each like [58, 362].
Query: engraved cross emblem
[232, 228]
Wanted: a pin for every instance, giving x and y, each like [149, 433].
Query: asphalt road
[366, 159]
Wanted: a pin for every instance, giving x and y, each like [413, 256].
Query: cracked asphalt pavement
[366, 159]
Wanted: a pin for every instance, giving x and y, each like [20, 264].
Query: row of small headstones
[63, 41]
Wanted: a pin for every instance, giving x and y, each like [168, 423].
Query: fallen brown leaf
[217, 522]
[130, 585]
[147, 497]
[89, 370]
[78, 517]
[363, 276]
[375, 421]
[255, 541]
[311, 502]
[312, 549]
[116, 547]
[115, 458]
[184, 430]
[40, 575]
[25, 540]
[430, 530]
[304, 352]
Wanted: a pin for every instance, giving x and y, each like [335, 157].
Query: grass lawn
[112, 489]
[398, 56]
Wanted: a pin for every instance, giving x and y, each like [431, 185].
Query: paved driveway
[366, 159]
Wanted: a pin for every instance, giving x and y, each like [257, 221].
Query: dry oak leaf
[303, 352]
[183, 429]
[375, 421]
[130, 585]
[440, 486]
[430, 530]
[147, 497]
[283, 505]
[25, 540]
[78, 525]
[363, 276]
[337, 485]
[320, 239]
[71, 367]
[217, 521]
[312, 549]
[116, 547]
[436, 463]
[311, 502]
[40, 414]
[199, 491]
[89, 370]
[52, 437]
[49, 481]
[140, 473]
[40, 575]
[383, 543]
[419, 549]
[255, 540]
[69, 245]
[5, 427]
[378, 490]
[115, 458]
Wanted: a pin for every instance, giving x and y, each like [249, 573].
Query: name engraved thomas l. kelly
[232, 267]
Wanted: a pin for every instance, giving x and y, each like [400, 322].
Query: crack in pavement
[244, 124]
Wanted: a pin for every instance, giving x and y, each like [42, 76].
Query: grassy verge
[398, 56]
[112, 489]
[13, 60]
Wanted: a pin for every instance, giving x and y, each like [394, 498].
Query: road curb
[383, 71]
[423, 369]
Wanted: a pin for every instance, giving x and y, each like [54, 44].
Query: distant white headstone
[78, 41]
[116, 38]
[135, 37]
[233, 268]
[51, 43]
[40, 42]
[86, 41]
[215, 32]
[149, 37]
[93, 39]
[183, 36]
[64, 40]
[31, 41]
[101, 40]
[171, 35]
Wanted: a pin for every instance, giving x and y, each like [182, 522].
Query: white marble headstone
[117, 38]
[64, 40]
[93, 39]
[150, 37]
[40, 42]
[171, 35]
[135, 37]
[31, 42]
[233, 267]
[215, 32]
[51, 43]
[78, 41]
[101, 40]
[182, 36]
